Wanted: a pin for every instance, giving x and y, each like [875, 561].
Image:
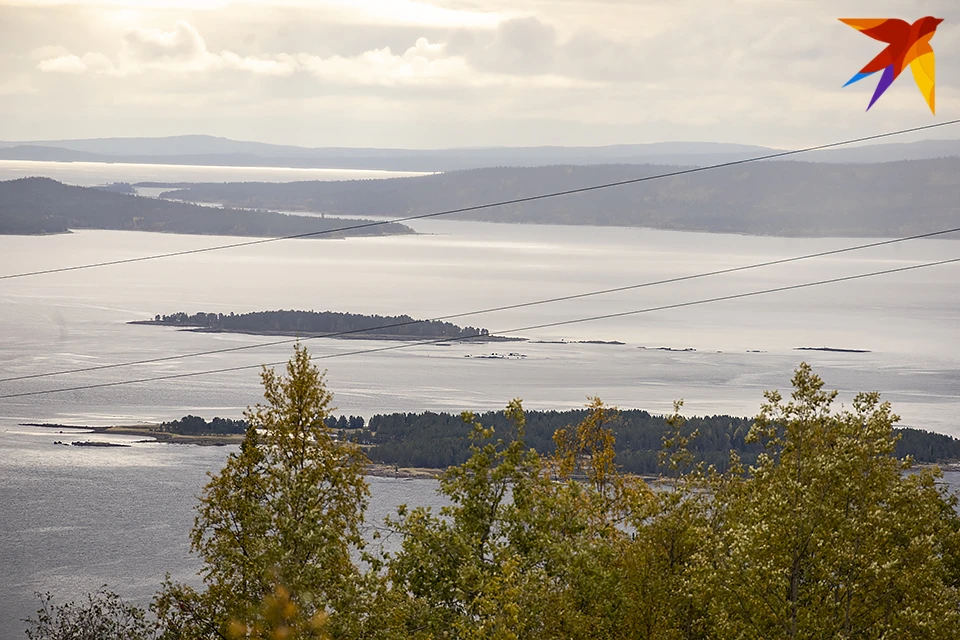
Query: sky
[460, 73]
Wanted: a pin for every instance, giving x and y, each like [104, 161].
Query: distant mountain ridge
[215, 151]
[203, 144]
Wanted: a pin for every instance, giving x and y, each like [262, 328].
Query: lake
[75, 518]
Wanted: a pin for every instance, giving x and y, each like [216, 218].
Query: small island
[324, 324]
[831, 349]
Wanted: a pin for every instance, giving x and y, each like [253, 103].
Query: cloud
[47, 52]
[63, 64]
[184, 51]
[529, 46]
[183, 42]
[388, 12]
[425, 62]
[281, 65]
[455, 72]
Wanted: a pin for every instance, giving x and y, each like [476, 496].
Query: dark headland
[30, 206]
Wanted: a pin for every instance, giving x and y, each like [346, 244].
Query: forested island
[42, 206]
[439, 440]
[765, 198]
[318, 323]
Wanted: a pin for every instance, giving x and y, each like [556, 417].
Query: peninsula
[784, 198]
[34, 206]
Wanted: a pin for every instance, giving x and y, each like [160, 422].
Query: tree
[456, 573]
[279, 521]
[829, 535]
[530, 547]
[104, 616]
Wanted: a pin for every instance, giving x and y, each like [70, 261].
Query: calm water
[76, 518]
[907, 321]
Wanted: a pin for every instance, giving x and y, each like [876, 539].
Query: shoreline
[149, 431]
[375, 469]
[446, 342]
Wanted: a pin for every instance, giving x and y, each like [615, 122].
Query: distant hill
[772, 198]
[214, 151]
[42, 205]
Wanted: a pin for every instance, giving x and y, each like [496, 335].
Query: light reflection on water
[61, 321]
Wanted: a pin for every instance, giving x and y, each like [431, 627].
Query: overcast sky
[449, 73]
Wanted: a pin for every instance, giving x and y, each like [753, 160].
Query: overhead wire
[560, 323]
[543, 196]
[509, 307]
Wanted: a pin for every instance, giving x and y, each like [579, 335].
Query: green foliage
[104, 616]
[441, 440]
[285, 512]
[438, 440]
[194, 425]
[457, 573]
[826, 536]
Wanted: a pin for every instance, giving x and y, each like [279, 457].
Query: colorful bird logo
[907, 44]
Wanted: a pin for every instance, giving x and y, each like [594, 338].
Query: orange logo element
[907, 44]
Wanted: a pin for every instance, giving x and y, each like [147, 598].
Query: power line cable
[560, 323]
[509, 307]
[544, 196]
